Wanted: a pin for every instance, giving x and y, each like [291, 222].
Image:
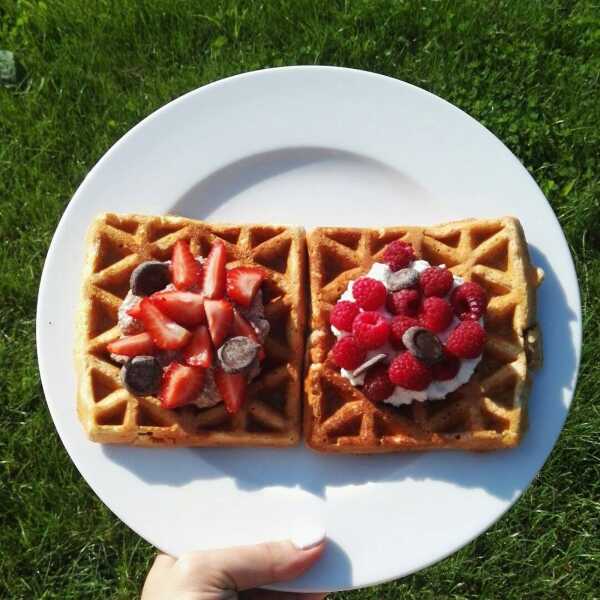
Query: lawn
[528, 70]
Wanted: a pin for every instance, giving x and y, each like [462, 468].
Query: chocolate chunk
[423, 344]
[237, 354]
[142, 375]
[368, 363]
[149, 277]
[402, 279]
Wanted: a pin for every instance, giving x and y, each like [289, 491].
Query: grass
[529, 71]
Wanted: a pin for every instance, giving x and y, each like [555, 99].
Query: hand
[221, 574]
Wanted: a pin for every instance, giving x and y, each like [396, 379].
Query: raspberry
[369, 293]
[397, 328]
[398, 255]
[436, 314]
[377, 385]
[409, 372]
[468, 301]
[343, 315]
[404, 302]
[467, 340]
[436, 281]
[370, 330]
[347, 354]
[446, 369]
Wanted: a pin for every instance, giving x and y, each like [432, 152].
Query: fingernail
[305, 535]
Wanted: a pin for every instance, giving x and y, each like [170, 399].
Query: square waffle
[488, 412]
[110, 414]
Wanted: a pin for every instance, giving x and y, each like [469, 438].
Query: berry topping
[149, 277]
[198, 353]
[184, 267]
[369, 293]
[436, 281]
[237, 354]
[132, 345]
[343, 314]
[403, 279]
[219, 315]
[141, 375]
[436, 314]
[370, 330]
[180, 385]
[423, 344]
[404, 302]
[468, 301]
[347, 354]
[185, 308]
[232, 388]
[165, 333]
[377, 386]
[398, 255]
[397, 328]
[214, 272]
[409, 372]
[446, 369]
[243, 283]
[467, 340]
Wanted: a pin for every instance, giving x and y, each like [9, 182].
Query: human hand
[221, 574]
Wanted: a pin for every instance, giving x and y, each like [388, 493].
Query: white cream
[437, 389]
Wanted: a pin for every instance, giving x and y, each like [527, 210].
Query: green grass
[528, 70]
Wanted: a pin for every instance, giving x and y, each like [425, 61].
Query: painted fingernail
[305, 535]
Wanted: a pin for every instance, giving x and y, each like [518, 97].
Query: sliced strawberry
[180, 385]
[214, 272]
[243, 283]
[132, 345]
[185, 269]
[199, 352]
[185, 308]
[241, 326]
[135, 311]
[219, 315]
[165, 333]
[232, 388]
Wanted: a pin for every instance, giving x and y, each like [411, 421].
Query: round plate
[312, 146]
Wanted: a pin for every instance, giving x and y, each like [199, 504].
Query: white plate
[312, 146]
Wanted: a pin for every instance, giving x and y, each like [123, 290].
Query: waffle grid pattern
[110, 414]
[489, 412]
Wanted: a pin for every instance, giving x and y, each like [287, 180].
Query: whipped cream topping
[436, 389]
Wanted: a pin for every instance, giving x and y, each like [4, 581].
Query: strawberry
[219, 314]
[243, 283]
[241, 326]
[232, 387]
[165, 333]
[185, 308]
[135, 311]
[214, 272]
[199, 352]
[184, 268]
[180, 385]
[132, 345]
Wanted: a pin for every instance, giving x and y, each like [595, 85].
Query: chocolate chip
[402, 279]
[149, 277]
[237, 354]
[142, 375]
[423, 344]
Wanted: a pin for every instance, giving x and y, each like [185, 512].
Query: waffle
[110, 414]
[490, 411]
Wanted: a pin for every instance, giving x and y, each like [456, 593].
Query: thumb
[247, 567]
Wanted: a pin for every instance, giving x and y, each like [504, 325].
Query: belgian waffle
[490, 411]
[110, 414]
